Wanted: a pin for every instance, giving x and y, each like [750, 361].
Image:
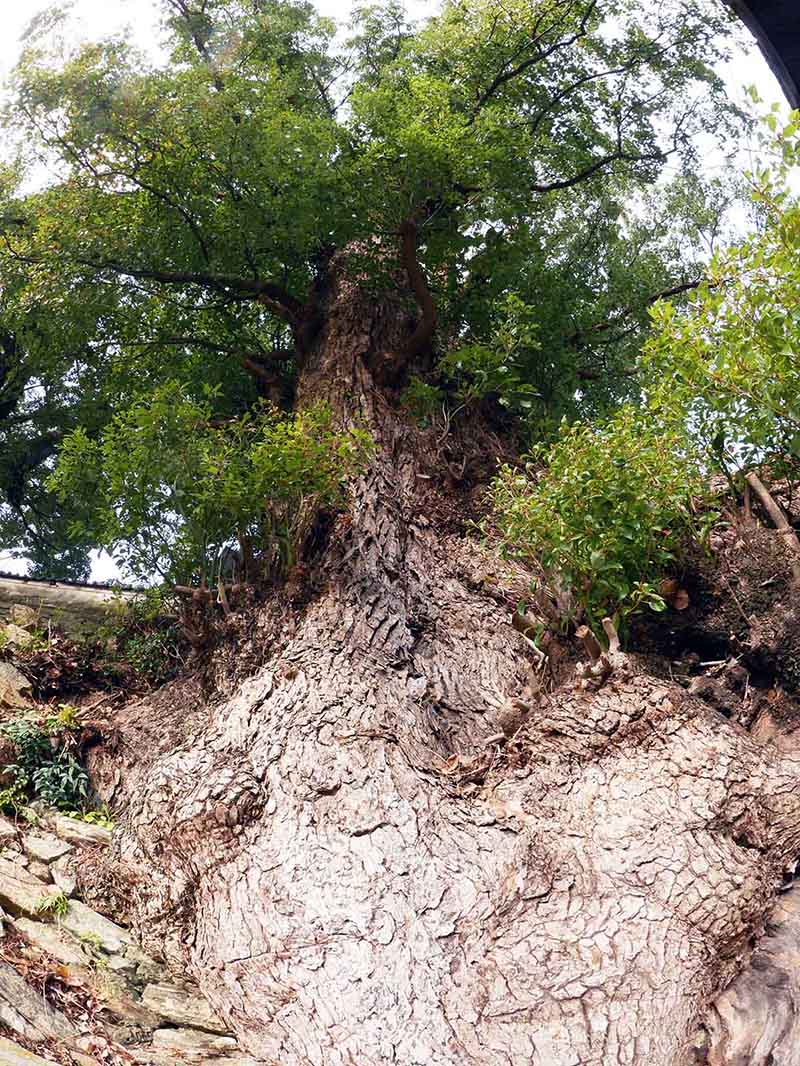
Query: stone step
[81, 833]
[12, 1054]
[54, 941]
[159, 1022]
[25, 1012]
[128, 1017]
[40, 870]
[188, 1045]
[63, 873]
[85, 923]
[153, 1057]
[45, 848]
[182, 1007]
[20, 892]
[8, 831]
[14, 687]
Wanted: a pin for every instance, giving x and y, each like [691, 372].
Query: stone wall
[75, 987]
[77, 609]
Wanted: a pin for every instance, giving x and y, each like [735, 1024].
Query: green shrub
[32, 743]
[146, 635]
[729, 363]
[168, 487]
[45, 766]
[603, 511]
[12, 800]
[101, 817]
[61, 783]
[154, 655]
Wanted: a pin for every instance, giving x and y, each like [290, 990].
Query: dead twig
[223, 599]
[780, 520]
[590, 642]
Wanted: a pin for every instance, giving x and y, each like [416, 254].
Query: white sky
[99, 17]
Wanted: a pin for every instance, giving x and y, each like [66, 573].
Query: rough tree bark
[354, 877]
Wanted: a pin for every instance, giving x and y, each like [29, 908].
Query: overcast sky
[99, 17]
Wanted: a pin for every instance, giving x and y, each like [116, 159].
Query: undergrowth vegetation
[167, 487]
[145, 635]
[46, 765]
[603, 511]
[138, 647]
[729, 364]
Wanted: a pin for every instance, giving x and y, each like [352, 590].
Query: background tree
[604, 509]
[728, 365]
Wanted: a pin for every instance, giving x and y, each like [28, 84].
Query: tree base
[356, 868]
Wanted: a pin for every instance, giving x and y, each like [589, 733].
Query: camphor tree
[389, 229]
[480, 173]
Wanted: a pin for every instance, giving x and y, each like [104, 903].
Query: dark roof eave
[785, 62]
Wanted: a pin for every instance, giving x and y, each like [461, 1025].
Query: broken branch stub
[590, 642]
[613, 637]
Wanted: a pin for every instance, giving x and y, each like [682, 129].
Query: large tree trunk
[356, 877]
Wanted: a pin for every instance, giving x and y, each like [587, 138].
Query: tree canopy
[523, 172]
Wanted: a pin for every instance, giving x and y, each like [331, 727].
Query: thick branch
[265, 358]
[12, 382]
[183, 12]
[416, 277]
[265, 292]
[593, 168]
[262, 365]
[257, 369]
[36, 453]
[610, 323]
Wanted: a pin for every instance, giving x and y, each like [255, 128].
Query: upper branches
[195, 205]
[550, 33]
[194, 22]
[226, 172]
